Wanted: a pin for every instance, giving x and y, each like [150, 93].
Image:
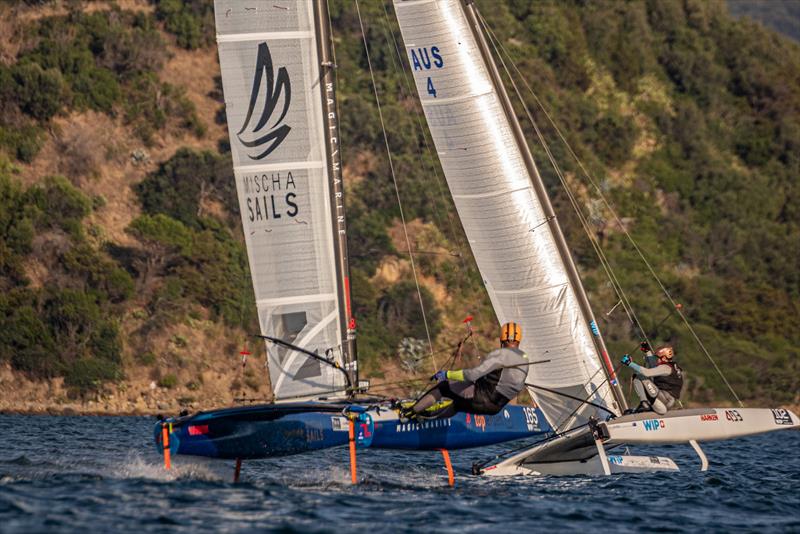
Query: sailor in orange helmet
[484, 389]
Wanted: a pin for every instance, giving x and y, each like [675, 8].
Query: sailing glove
[626, 360]
[645, 347]
[440, 376]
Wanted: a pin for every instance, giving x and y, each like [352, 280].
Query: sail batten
[508, 226]
[270, 68]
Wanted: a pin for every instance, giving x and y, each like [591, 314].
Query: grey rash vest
[512, 379]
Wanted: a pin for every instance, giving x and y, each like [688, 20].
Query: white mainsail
[504, 220]
[271, 80]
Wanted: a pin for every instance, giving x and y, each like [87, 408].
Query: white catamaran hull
[594, 466]
[709, 424]
[582, 451]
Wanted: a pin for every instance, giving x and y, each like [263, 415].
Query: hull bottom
[593, 466]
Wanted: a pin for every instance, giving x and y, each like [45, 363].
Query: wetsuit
[484, 389]
[660, 387]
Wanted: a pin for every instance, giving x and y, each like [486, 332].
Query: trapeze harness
[671, 383]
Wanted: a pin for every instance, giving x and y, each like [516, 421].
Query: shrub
[41, 93]
[23, 142]
[149, 103]
[183, 182]
[168, 381]
[87, 375]
[191, 21]
[60, 204]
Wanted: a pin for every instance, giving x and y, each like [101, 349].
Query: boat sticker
[531, 419]
[655, 460]
[653, 424]
[709, 417]
[264, 144]
[615, 460]
[339, 423]
[782, 417]
[200, 430]
[733, 415]
[365, 429]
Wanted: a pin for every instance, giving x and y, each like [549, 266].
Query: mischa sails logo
[276, 86]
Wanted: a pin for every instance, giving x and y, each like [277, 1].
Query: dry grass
[204, 67]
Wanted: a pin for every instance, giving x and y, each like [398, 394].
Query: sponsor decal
[412, 427]
[531, 419]
[268, 133]
[365, 429]
[339, 424]
[709, 417]
[615, 460]
[480, 422]
[653, 424]
[201, 430]
[506, 415]
[314, 434]
[733, 415]
[781, 416]
[655, 460]
[271, 196]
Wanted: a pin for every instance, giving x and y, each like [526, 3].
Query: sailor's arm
[489, 364]
[659, 370]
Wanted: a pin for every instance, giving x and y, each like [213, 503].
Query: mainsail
[503, 207]
[283, 146]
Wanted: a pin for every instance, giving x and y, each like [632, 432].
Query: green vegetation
[105, 61]
[780, 15]
[67, 327]
[192, 21]
[687, 118]
[194, 255]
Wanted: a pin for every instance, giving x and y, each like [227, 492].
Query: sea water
[103, 474]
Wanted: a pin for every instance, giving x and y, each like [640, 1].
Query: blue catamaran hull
[274, 430]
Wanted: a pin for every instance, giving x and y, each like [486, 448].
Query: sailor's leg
[658, 407]
[651, 389]
[647, 392]
[638, 386]
[430, 398]
[663, 403]
[465, 390]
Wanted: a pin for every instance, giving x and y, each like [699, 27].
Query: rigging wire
[623, 299]
[409, 90]
[394, 180]
[627, 234]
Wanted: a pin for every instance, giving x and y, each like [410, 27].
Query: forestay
[504, 221]
[271, 81]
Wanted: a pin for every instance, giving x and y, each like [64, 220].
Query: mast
[347, 323]
[544, 199]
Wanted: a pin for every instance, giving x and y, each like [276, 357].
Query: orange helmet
[510, 332]
[665, 353]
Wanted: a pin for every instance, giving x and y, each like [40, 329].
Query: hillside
[780, 15]
[123, 272]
